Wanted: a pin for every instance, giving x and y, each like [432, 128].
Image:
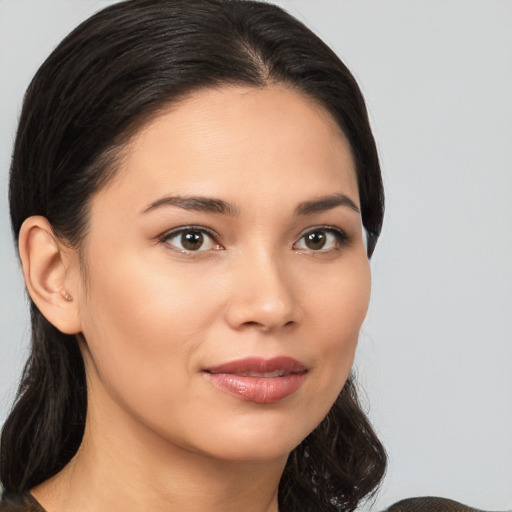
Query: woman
[195, 192]
[224, 112]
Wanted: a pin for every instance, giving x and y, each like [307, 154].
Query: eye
[321, 240]
[190, 239]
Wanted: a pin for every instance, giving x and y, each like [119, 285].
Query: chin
[249, 450]
[257, 439]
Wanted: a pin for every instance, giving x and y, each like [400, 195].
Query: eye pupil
[192, 240]
[315, 240]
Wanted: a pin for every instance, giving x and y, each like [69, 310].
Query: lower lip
[261, 390]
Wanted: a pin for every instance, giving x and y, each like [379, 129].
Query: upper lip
[256, 366]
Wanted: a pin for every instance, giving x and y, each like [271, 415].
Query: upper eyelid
[341, 236]
[176, 231]
[323, 228]
[166, 237]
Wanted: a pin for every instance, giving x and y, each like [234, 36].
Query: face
[227, 276]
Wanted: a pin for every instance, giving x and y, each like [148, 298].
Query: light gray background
[436, 350]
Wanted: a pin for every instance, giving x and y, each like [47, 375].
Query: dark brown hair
[113, 73]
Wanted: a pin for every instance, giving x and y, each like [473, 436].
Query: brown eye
[321, 240]
[190, 240]
[315, 241]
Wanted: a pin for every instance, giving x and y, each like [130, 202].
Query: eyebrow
[323, 204]
[213, 205]
[195, 203]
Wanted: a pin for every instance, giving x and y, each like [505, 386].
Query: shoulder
[430, 504]
[23, 503]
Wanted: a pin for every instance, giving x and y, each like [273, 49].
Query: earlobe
[50, 270]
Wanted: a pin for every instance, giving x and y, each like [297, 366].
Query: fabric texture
[27, 503]
[430, 504]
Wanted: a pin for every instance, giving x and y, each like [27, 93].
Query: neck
[135, 469]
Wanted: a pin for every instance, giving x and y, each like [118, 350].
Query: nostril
[257, 326]
[253, 324]
[266, 328]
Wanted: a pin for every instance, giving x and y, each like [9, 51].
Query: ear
[51, 273]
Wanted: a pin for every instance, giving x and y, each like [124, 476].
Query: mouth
[258, 380]
[264, 375]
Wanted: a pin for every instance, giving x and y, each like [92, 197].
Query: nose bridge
[262, 293]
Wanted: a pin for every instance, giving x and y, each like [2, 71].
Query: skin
[151, 317]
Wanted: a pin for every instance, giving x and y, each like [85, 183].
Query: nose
[262, 295]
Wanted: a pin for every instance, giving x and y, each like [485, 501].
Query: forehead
[236, 136]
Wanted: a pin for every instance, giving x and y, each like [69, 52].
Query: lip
[257, 379]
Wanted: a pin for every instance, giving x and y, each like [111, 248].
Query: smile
[258, 380]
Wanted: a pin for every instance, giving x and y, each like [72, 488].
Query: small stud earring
[67, 296]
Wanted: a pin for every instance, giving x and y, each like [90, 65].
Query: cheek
[142, 326]
[338, 301]
[337, 313]
[147, 301]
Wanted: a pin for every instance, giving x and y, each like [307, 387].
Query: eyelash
[341, 238]
[166, 237]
